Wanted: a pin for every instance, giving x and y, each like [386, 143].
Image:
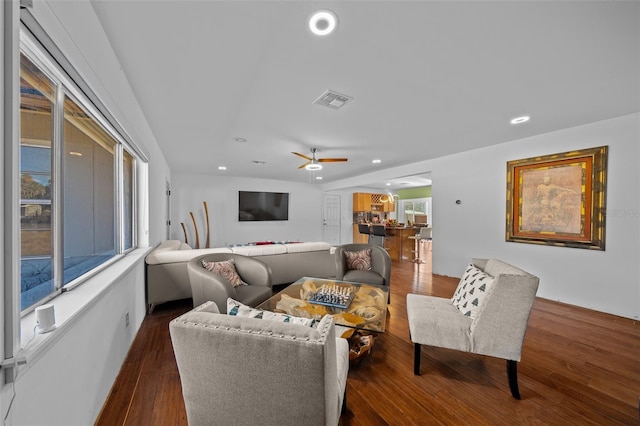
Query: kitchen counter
[396, 241]
[398, 244]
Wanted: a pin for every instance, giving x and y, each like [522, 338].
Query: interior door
[331, 219]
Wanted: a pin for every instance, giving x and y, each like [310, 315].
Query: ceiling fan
[313, 163]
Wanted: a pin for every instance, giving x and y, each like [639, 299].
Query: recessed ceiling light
[222, 168]
[318, 177]
[520, 120]
[240, 140]
[323, 22]
[377, 161]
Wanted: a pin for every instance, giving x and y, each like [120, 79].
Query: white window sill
[71, 304]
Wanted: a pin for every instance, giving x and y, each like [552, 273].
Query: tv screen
[258, 206]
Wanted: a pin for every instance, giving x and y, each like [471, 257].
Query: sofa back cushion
[306, 247]
[262, 250]
[179, 254]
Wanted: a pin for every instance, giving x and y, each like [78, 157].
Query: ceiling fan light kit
[313, 164]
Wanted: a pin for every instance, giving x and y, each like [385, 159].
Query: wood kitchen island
[397, 242]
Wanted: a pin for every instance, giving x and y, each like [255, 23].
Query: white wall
[189, 191]
[607, 280]
[69, 382]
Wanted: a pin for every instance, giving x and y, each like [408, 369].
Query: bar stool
[378, 232]
[363, 228]
[424, 234]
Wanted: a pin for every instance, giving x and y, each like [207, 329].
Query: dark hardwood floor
[578, 367]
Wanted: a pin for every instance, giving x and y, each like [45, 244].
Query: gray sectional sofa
[167, 277]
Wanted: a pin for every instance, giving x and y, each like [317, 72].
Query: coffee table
[367, 310]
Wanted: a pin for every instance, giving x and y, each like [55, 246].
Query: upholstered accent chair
[487, 315]
[207, 285]
[380, 272]
[247, 371]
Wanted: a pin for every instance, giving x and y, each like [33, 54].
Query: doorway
[331, 219]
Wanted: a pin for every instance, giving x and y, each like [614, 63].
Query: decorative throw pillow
[472, 289]
[226, 269]
[360, 260]
[236, 308]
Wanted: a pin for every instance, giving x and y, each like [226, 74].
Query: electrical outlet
[126, 319]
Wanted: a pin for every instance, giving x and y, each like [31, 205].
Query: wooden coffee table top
[367, 310]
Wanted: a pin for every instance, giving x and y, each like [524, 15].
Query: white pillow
[236, 308]
[472, 290]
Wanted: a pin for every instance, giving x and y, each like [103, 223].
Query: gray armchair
[247, 371]
[206, 285]
[380, 273]
[496, 328]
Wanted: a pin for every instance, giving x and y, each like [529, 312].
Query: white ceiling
[428, 78]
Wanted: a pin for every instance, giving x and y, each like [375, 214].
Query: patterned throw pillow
[472, 289]
[360, 260]
[238, 309]
[226, 269]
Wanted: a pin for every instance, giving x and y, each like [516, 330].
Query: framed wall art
[558, 199]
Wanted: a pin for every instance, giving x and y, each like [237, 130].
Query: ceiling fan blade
[303, 166]
[332, 160]
[302, 155]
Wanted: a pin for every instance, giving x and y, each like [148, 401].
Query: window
[417, 211]
[77, 183]
[128, 178]
[88, 164]
[36, 132]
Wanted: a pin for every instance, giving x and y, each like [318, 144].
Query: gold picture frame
[558, 199]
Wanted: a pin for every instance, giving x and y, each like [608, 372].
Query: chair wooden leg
[416, 359]
[512, 373]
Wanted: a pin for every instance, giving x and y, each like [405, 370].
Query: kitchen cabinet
[367, 202]
[376, 203]
[361, 202]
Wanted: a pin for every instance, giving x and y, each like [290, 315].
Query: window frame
[66, 88]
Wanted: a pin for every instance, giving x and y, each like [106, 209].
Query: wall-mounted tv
[259, 206]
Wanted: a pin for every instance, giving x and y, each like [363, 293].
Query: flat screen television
[260, 206]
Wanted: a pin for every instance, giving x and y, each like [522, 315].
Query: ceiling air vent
[332, 99]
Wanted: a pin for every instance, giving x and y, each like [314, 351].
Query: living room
[81, 363]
